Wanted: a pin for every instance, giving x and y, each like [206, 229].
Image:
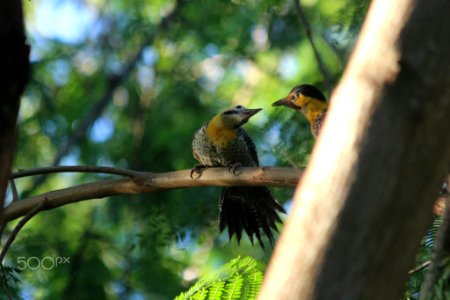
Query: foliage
[241, 278]
[424, 257]
[9, 279]
[442, 286]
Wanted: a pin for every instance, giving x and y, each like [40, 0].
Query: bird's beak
[250, 112]
[284, 102]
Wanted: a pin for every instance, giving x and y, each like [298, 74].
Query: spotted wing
[250, 145]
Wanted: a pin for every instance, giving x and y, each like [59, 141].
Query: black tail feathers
[249, 209]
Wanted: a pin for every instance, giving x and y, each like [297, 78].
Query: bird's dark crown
[309, 91]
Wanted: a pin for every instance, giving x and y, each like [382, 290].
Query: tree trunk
[14, 68]
[365, 200]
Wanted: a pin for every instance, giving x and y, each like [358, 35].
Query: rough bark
[14, 68]
[365, 200]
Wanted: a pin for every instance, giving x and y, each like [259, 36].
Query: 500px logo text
[46, 263]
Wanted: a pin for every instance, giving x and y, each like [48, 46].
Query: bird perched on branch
[310, 101]
[222, 142]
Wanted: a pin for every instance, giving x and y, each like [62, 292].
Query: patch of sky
[150, 56]
[145, 76]
[338, 35]
[102, 130]
[211, 49]
[60, 70]
[184, 240]
[272, 136]
[71, 159]
[137, 296]
[118, 287]
[39, 48]
[27, 291]
[241, 67]
[288, 206]
[260, 37]
[288, 66]
[267, 159]
[212, 72]
[66, 21]
[87, 61]
[114, 64]
[50, 127]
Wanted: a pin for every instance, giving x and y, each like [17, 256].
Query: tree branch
[75, 169]
[19, 226]
[306, 26]
[156, 182]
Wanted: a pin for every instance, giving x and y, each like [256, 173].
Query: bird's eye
[292, 97]
[239, 107]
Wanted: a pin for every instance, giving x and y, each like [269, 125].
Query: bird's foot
[198, 170]
[232, 168]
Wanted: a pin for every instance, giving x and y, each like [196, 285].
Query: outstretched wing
[250, 145]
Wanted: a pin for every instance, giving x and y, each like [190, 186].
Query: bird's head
[301, 96]
[236, 116]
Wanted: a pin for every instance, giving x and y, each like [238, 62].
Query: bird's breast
[220, 137]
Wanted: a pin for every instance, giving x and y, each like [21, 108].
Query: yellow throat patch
[314, 107]
[219, 134]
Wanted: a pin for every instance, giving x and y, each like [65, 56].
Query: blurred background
[126, 84]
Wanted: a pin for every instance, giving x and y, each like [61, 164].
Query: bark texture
[365, 200]
[14, 68]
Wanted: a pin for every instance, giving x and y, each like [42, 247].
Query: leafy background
[126, 84]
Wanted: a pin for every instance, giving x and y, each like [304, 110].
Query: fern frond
[233, 288]
[216, 290]
[201, 295]
[238, 279]
[253, 283]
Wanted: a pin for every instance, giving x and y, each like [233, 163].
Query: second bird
[222, 142]
[310, 101]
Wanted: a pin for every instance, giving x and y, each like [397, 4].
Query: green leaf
[238, 279]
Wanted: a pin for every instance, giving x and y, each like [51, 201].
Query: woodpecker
[222, 142]
[310, 101]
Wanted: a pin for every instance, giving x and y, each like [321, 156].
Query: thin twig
[18, 227]
[306, 26]
[75, 169]
[289, 159]
[420, 267]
